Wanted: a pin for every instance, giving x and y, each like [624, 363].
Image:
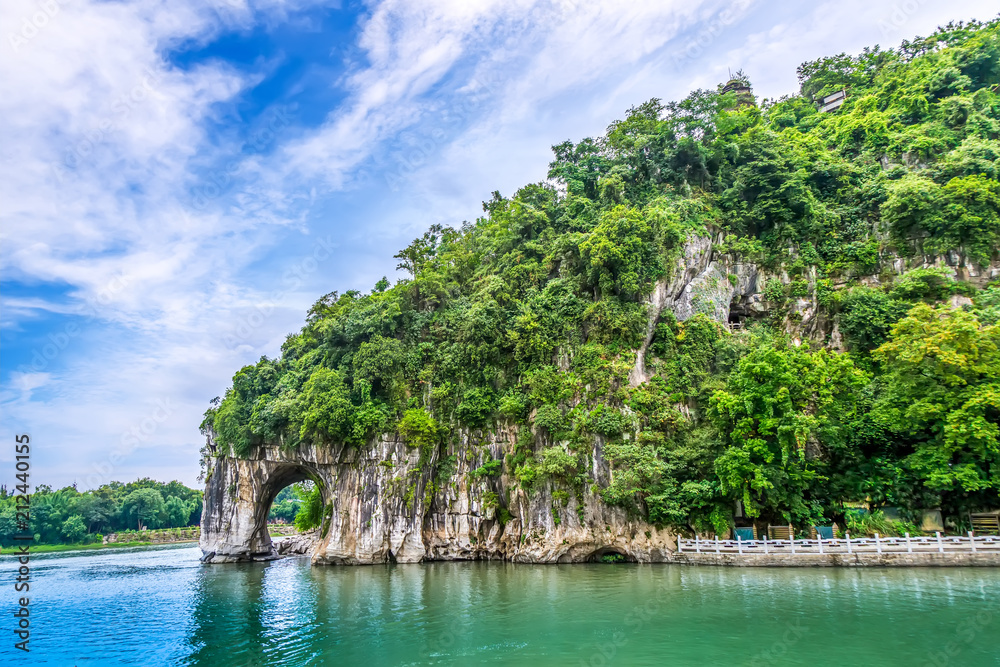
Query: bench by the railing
[985, 522]
[908, 544]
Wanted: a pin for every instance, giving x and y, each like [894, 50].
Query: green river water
[160, 606]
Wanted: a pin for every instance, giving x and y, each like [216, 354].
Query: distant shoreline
[63, 548]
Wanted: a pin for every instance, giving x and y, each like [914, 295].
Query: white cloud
[586, 67]
[771, 56]
[98, 131]
[518, 53]
[99, 146]
[28, 382]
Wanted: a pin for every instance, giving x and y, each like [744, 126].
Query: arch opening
[300, 488]
[610, 555]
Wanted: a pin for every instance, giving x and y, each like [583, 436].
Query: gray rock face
[721, 286]
[703, 281]
[384, 507]
[296, 545]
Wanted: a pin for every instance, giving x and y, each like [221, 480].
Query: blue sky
[180, 180]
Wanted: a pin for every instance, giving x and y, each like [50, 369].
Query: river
[160, 606]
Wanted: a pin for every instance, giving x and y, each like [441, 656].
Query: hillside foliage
[531, 314]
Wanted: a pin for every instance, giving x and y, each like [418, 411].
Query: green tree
[381, 361]
[913, 206]
[943, 393]
[964, 213]
[74, 529]
[177, 512]
[285, 505]
[421, 430]
[326, 408]
[971, 217]
[8, 523]
[621, 254]
[867, 317]
[310, 513]
[783, 412]
[143, 507]
[97, 512]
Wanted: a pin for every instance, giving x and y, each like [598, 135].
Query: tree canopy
[70, 516]
[531, 314]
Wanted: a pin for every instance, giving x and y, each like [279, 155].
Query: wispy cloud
[101, 141]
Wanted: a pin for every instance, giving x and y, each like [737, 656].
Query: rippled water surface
[160, 606]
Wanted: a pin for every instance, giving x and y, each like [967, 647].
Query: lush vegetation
[299, 504]
[285, 506]
[68, 516]
[531, 314]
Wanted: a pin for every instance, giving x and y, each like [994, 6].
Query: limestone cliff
[385, 507]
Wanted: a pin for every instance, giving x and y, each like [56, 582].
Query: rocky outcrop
[730, 290]
[383, 506]
[301, 544]
[702, 281]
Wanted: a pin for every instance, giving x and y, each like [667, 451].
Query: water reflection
[162, 607]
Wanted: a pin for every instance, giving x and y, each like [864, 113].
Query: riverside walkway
[936, 550]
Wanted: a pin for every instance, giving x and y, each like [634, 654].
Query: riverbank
[157, 536]
[908, 551]
[55, 548]
[153, 538]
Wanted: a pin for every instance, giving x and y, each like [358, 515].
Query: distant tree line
[285, 506]
[69, 516]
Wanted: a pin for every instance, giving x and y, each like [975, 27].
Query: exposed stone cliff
[386, 507]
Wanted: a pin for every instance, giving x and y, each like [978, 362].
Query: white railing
[847, 545]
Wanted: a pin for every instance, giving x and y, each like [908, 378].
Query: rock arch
[238, 497]
[387, 504]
